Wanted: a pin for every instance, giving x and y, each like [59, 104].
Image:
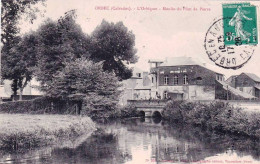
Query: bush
[217, 116]
[39, 106]
[172, 111]
[129, 111]
[123, 112]
[17, 107]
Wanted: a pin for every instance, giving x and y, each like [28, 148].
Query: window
[165, 94]
[245, 81]
[175, 80]
[152, 79]
[185, 79]
[199, 80]
[166, 79]
[138, 74]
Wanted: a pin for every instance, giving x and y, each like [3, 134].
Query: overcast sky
[159, 34]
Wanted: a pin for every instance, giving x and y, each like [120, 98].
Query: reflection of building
[247, 83]
[164, 144]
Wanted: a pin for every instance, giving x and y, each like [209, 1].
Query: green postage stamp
[240, 25]
[230, 41]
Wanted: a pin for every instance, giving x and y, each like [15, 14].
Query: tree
[11, 12]
[114, 44]
[17, 65]
[59, 42]
[84, 80]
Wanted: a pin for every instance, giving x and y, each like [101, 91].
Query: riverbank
[30, 131]
[217, 116]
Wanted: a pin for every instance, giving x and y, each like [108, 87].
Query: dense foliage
[114, 44]
[11, 13]
[217, 116]
[19, 62]
[58, 42]
[14, 65]
[69, 64]
[85, 81]
[40, 105]
[63, 41]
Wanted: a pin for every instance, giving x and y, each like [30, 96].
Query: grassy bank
[30, 131]
[218, 116]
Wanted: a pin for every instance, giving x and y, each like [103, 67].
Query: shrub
[16, 107]
[39, 105]
[217, 116]
[172, 111]
[129, 111]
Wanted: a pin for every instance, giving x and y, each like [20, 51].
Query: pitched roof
[229, 80]
[232, 76]
[253, 77]
[178, 61]
[235, 91]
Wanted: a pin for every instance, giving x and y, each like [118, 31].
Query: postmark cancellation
[230, 41]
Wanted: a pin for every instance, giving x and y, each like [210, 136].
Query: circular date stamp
[226, 56]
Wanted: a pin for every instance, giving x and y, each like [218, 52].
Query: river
[144, 141]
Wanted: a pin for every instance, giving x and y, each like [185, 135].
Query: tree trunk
[21, 94]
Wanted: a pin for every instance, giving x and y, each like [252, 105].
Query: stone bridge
[148, 108]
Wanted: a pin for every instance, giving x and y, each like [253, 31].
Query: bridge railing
[141, 103]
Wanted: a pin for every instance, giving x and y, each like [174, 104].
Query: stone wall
[191, 92]
[197, 92]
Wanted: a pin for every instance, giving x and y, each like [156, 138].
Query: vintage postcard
[130, 81]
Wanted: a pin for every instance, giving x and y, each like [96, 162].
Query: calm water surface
[144, 141]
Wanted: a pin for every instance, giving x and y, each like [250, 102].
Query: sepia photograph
[130, 82]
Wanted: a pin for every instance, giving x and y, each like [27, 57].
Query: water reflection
[147, 141]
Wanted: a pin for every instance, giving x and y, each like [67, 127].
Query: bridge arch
[157, 114]
[142, 113]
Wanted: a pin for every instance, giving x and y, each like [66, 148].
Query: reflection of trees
[99, 148]
[206, 144]
[168, 143]
[214, 143]
[187, 143]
